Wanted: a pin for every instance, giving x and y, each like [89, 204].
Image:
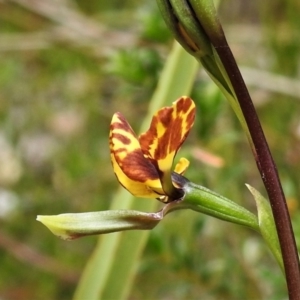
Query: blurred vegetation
[65, 68]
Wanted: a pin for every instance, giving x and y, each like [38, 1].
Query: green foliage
[136, 66]
[154, 28]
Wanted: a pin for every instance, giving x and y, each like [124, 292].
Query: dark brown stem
[266, 166]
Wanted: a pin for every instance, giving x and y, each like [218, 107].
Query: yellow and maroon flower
[143, 164]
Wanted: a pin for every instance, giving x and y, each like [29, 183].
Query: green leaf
[266, 224]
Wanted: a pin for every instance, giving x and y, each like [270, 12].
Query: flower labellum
[143, 165]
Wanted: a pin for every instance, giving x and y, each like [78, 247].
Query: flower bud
[183, 23]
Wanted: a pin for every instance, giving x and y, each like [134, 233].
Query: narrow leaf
[266, 224]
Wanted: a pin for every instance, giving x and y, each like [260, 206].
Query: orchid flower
[143, 164]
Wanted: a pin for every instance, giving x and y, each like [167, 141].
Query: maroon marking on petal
[171, 139]
[121, 123]
[146, 139]
[120, 150]
[123, 139]
[176, 121]
[191, 117]
[183, 104]
[175, 135]
[137, 167]
[165, 116]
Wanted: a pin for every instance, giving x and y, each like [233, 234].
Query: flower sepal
[187, 30]
[70, 226]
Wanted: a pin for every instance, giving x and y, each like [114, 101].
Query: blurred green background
[65, 68]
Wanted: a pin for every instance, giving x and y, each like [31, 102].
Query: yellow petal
[168, 130]
[136, 188]
[181, 166]
[137, 174]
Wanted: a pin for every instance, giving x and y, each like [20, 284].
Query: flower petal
[136, 188]
[132, 169]
[168, 130]
[181, 166]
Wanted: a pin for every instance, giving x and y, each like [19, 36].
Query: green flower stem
[108, 274]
